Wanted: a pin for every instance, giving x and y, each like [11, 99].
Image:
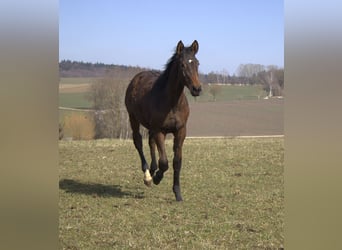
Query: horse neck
[174, 86]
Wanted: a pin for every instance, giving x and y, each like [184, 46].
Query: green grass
[74, 100]
[227, 93]
[232, 189]
[230, 93]
[76, 80]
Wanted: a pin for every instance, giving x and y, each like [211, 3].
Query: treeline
[246, 74]
[69, 68]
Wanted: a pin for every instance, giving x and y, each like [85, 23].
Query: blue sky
[145, 33]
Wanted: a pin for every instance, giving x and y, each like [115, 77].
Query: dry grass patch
[79, 127]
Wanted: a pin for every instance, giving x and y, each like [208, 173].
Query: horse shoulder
[183, 105]
[177, 117]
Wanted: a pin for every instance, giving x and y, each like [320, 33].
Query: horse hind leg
[152, 145]
[137, 139]
[162, 163]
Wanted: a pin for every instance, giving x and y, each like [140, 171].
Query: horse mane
[164, 75]
[172, 59]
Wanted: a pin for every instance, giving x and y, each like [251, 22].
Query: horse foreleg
[137, 139]
[177, 161]
[144, 166]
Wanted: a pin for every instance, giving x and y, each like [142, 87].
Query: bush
[79, 127]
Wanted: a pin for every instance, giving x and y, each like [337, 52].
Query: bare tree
[273, 81]
[249, 70]
[224, 73]
[107, 96]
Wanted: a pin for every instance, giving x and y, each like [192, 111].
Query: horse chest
[174, 121]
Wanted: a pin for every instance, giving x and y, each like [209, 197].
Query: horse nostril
[199, 89]
[196, 91]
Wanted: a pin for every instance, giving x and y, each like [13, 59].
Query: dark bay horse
[157, 101]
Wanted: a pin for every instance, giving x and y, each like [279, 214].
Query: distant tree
[212, 77]
[248, 70]
[107, 96]
[279, 74]
[225, 76]
[272, 80]
[69, 68]
[65, 65]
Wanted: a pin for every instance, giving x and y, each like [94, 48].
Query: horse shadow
[96, 189]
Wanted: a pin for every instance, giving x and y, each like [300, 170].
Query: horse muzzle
[195, 91]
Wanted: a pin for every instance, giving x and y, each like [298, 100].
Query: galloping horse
[157, 101]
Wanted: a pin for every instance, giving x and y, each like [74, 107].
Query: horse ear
[180, 47]
[195, 46]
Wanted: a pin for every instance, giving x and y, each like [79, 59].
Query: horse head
[189, 66]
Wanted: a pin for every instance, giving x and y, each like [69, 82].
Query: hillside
[69, 68]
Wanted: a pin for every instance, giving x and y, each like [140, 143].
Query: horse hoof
[148, 182]
[147, 178]
[156, 180]
[177, 192]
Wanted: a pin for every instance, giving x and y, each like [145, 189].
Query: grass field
[229, 93]
[232, 189]
[74, 100]
[77, 80]
[71, 90]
